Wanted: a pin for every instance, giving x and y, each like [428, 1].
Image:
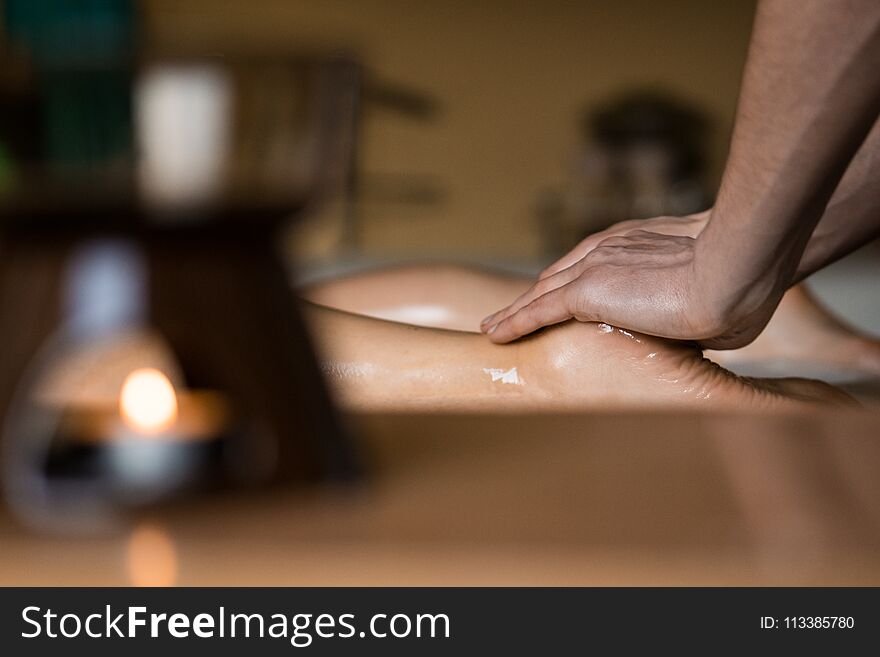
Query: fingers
[551, 308]
[538, 289]
[564, 262]
[588, 244]
[572, 257]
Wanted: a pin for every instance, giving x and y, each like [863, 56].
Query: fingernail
[492, 328]
[486, 319]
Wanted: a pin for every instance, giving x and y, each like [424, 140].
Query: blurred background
[501, 132]
[360, 133]
[506, 88]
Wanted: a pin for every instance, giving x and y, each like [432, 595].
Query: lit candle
[159, 431]
[148, 402]
[151, 440]
[149, 407]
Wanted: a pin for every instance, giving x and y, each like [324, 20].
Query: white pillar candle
[183, 125]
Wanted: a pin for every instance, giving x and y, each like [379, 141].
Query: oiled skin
[458, 297]
[374, 364]
[439, 296]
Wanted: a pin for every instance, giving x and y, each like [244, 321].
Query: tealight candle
[151, 441]
[147, 401]
[149, 407]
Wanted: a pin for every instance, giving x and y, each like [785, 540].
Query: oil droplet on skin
[510, 376]
[607, 328]
[629, 335]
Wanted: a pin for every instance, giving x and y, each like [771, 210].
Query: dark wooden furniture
[219, 289]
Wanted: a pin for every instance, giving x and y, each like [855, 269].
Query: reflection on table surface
[534, 500]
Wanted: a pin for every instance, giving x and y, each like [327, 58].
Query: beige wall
[512, 75]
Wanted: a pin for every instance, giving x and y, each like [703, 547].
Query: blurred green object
[87, 118]
[56, 31]
[82, 52]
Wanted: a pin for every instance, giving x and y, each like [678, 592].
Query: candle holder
[151, 253]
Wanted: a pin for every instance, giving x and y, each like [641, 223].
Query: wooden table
[592, 499]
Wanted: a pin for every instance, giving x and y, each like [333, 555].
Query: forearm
[810, 95]
[852, 217]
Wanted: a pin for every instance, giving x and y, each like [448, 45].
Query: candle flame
[147, 401]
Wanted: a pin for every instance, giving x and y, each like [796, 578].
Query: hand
[689, 226]
[645, 281]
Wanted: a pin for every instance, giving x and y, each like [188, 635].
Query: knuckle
[602, 253]
[577, 301]
[616, 240]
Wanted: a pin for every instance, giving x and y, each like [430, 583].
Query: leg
[380, 365]
[439, 296]
[458, 298]
[802, 330]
